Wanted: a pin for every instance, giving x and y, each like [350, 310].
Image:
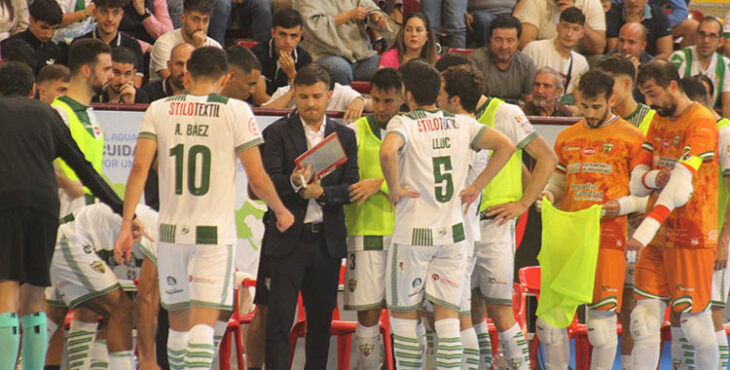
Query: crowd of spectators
[532, 52]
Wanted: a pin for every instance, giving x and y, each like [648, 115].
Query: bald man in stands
[632, 43]
[174, 83]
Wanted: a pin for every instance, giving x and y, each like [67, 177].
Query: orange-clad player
[596, 157]
[678, 169]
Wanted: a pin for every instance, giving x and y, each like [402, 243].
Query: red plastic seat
[411, 6]
[363, 87]
[233, 333]
[246, 43]
[460, 51]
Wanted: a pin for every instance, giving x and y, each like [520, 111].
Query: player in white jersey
[425, 159]
[197, 137]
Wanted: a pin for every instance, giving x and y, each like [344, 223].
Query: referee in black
[32, 135]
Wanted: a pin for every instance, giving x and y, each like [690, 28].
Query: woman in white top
[13, 17]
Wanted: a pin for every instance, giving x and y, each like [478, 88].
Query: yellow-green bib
[646, 122]
[722, 191]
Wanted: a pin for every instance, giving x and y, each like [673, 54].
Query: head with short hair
[632, 39]
[177, 64]
[571, 27]
[634, 6]
[504, 37]
[695, 90]
[208, 62]
[108, 15]
[386, 93]
[462, 87]
[52, 81]
[45, 15]
[244, 70]
[709, 85]
[658, 80]
[91, 60]
[547, 87]
[422, 83]
[286, 30]
[123, 68]
[16, 78]
[196, 17]
[416, 36]
[18, 50]
[623, 72]
[595, 97]
[449, 60]
[709, 36]
[312, 92]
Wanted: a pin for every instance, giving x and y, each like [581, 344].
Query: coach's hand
[507, 211]
[284, 220]
[398, 193]
[468, 195]
[364, 189]
[124, 243]
[298, 174]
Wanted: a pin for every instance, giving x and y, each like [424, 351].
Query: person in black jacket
[33, 135]
[306, 257]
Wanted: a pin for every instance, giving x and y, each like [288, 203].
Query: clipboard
[324, 157]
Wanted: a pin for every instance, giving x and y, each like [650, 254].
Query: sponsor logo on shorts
[197, 279]
[352, 285]
[416, 283]
[492, 280]
[683, 288]
[607, 288]
[98, 266]
[171, 280]
[63, 284]
[436, 277]
[173, 291]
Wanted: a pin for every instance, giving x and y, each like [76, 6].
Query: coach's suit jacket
[284, 141]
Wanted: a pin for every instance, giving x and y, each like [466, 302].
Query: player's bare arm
[361, 191]
[263, 187]
[502, 149]
[724, 239]
[389, 164]
[146, 305]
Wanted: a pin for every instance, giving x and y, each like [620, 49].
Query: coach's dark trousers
[311, 269]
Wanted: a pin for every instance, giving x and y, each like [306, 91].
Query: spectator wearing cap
[653, 17]
[540, 17]
[480, 15]
[146, 20]
[13, 17]
[45, 15]
[547, 87]
[508, 71]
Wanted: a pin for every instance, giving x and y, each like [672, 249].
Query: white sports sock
[516, 352]
[603, 338]
[219, 331]
[200, 353]
[449, 349]
[470, 359]
[176, 343]
[429, 341]
[485, 345]
[696, 326]
[626, 362]
[99, 355]
[555, 344]
[407, 350]
[368, 346]
[722, 347]
[682, 351]
[79, 342]
[122, 360]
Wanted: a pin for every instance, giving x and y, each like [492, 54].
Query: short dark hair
[286, 18]
[506, 21]
[594, 83]
[18, 50]
[708, 81]
[450, 60]
[203, 6]
[662, 72]
[85, 52]
[120, 54]
[53, 72]
[311, 74]
[710, 19]
[618, 65]
[111, 3]
[422, 81]
[695, 89]
[243, 58]
[573, 15]
[467, 83]
[208, 61]
[47, 11]
[16, 78]
[387, 78]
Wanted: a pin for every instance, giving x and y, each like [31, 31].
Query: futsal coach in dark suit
[308, 255]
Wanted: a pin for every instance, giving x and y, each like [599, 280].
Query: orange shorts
[682, 275]
[609, 285]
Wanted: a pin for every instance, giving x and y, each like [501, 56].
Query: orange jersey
[597, 164]
[692, 141]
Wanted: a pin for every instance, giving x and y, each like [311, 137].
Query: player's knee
[698, 328]
[550, 335]
[602, 329]
[646, 320]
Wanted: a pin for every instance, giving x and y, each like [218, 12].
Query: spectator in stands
[450, 13]
[45, 15]
[146, 20]
[334, 34]
[174, 84]
[120, 89]
[702, 58]
[248, 14]
[195, 20]
[13, 17]
[20, 51]
[606, 4]
[539, 21]
[414, 40]
[632, 43]
[108, 14]
[653, 17]
[508, 71]
[558, 53]
[281, 56]
[244, 70]
[547, 88]
[78, 19]
[52, 82]
[726, 34]
[682, 25]
[480, 15]
[220, 12]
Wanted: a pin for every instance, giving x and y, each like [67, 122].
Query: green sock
[35, 341]
[9, 340]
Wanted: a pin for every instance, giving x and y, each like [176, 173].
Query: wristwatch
[322, 200]
[146, 14]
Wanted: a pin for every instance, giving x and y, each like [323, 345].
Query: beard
[543, 102]
[178, 82]
[97, 87]
[666, 110]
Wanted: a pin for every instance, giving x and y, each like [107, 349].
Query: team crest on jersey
[607, 147]
[98, 266]
[352, 285]
[253, 128]
[676, 141]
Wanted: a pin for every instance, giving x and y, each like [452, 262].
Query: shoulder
[580, 59]
[480, 55]
[262, 48]
[679, 56]
[342, 130]
[211, 42]
[278, 126]
[523, 60]
[658, 12]
[628, 130]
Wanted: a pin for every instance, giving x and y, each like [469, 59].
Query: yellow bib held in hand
[568, 260]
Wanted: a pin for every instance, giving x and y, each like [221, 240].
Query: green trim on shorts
[442, 303]
[685, 299]
[55, 303]
[501, 301]
[228, 276]
[84, 298]
[464, 313]
[222, 307]
[405, 308]
[718, 304]
[68, 256]
[393, 280]
[364, 307]
[175, 306]
[607, 304]
[645, 294]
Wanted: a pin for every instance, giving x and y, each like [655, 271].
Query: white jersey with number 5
[198, 138]
[433, 162]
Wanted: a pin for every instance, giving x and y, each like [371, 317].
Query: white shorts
[494, 270]
[471, 261]
[78, 275]
[365, 272]
[199, 275]
[629, 275]
[720, 287]
[416, 273]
